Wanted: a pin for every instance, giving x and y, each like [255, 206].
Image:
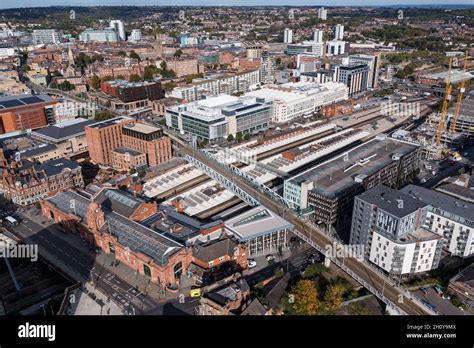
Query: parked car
[270, 257]
[424, 291]
[313, 258]
[438, 290]
[251, 263]
[446, 296]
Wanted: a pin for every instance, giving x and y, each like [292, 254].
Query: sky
[29, 3]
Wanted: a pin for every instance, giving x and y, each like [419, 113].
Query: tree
[239, 137]
[247, 136]
[25, 68]
[107, 78]
[149, 72]
[103, 115]
[333, 296]
[95, 81]
[134, 78]
[141, 174]
[134, 55]
[230, 138]
[305, 298]
[122, 54]
[178, 53]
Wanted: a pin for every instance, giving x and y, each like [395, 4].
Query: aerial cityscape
[236, 161]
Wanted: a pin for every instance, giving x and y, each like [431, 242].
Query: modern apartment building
[217, 84]
[105, 137]
[216, 117]
[328, 190]
[288, 36]
[47, 36]
[355, 77]
[388, 224]
[183, 66]
[132, 91]
[99, 35]
[448, 217]
[119, 28]
[372, 61]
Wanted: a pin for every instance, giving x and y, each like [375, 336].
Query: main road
[372, 277]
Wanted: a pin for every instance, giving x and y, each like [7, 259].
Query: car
[269, 257]
[251, 263]
[313, 258]
[424, 291]
[446, 297]
[438, 289]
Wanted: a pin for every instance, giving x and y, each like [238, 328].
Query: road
[369, 275]
[82, 264]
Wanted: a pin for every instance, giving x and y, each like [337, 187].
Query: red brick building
[26, 111]
[149, 253]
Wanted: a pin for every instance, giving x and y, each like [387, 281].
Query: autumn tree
[95, 81]
[333, 296]
[134, 78]
[305, 298]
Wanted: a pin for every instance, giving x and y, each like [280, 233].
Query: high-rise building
[318, 36]
[339, 32]
[288, 36]
[372, 61]
[267, 70]
[117, 25]
[136, 35]
[322, 13]
[46, 36]
[388, 225]
[101, 35]
[355, 77]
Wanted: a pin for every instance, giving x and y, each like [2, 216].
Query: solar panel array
[20, 102]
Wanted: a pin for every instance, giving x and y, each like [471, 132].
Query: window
[211, 263]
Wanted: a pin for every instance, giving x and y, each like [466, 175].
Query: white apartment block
[214, 85]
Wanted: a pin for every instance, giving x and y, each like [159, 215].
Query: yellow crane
[457, 110]
[444, 108]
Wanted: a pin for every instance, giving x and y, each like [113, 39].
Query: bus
[11, 221]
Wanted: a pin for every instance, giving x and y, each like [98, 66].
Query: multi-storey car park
[329, 188]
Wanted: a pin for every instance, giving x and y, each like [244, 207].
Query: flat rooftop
[64, 130]
[256, 222]
[392, 201]
[340, 172]
[14, 101]
[110, 122]
[123, 150]
[142, 128]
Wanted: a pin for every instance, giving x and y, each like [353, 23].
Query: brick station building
[140, 248]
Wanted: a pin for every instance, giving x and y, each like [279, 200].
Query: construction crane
[444, 108]
[457, 110]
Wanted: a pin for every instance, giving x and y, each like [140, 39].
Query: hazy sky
[29, 3]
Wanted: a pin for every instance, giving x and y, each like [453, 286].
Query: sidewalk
[106, 261]
[91, 301]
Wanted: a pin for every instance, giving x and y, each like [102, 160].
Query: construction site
[447, 130]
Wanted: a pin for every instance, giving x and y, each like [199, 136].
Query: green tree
[305, 298]
[134, 78]
[230, 138]
[134, 55]
[247, 136]
[178, 53]
[107, 78]
[239, 137]
[355, 308]
[25, 68]
[122, 54]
